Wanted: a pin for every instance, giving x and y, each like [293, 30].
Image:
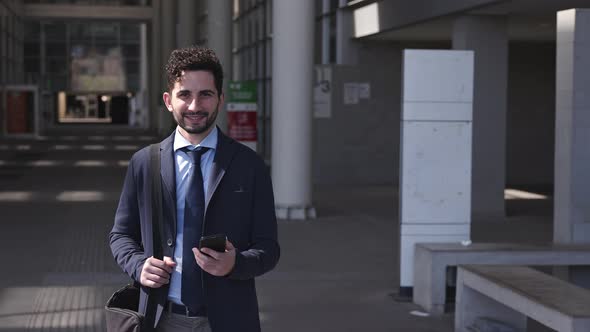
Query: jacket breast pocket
[240, 210]
[241, 200]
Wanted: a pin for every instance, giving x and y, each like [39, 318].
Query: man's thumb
[169, 261]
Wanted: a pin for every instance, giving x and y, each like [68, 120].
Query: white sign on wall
[355, 91]
[364, 90]
[322, 92]
[351, 94]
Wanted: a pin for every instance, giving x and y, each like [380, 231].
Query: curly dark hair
[193, 58]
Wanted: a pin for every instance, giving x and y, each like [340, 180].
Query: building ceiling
[528, 20]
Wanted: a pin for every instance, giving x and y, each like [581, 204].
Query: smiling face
[194, 103]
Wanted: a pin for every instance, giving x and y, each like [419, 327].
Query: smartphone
[215, 242]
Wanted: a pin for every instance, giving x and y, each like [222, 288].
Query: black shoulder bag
[122, 307]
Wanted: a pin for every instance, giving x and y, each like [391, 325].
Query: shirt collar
[209, 142]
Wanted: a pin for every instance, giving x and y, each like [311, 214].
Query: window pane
[55, 31]
[56, 65]
[130, 32]
[131, 50]
[56, 49]
[80, 31]
[32, 64]
[32, 30]
[105, 32]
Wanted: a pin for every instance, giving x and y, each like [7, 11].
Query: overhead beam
[380, 16]
[116, 13]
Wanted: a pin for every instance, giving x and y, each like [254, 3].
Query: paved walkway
[337, 273]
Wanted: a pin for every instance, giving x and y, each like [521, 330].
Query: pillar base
[287, 212]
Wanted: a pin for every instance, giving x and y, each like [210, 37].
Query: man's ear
[167, 100]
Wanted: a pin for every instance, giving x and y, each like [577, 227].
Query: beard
[195, 128]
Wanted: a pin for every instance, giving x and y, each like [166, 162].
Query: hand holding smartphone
[215, 242]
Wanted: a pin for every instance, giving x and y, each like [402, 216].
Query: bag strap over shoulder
[157, 210]
[157, 228]
[122, 311]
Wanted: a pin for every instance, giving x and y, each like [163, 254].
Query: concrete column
[487, 36]
[187, 24]
[219, 38]
[142, 97]
[155, 70]
[167, 44]
[572, 128]
[167, 28]
[346, 46]
[292, 78]
[435, 152]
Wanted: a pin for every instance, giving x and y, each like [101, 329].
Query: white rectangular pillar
[435, 170]
[572, 128]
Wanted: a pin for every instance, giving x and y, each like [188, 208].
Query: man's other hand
[216, 263]
[156, 273]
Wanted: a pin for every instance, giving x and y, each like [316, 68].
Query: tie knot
[195, 154]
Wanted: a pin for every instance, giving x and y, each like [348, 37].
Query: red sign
[241, 125]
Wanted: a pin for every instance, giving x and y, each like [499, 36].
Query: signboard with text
[242, 111]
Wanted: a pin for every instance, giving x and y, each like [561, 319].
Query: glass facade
[11, 62]
[90, 62]
[252, 52]
[92, 2]
[252, 59]
[11, 42]
[76, 56]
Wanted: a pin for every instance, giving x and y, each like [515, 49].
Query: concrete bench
[510, 294]
[432, 259]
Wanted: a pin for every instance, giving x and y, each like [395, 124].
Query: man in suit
[211, 184]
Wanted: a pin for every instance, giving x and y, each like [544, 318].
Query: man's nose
[193, 104]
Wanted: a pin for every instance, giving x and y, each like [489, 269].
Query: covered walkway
[339, 272]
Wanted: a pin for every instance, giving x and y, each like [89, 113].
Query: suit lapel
[168, 178]
[226, 148]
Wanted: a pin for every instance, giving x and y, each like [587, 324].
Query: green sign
[242, 92]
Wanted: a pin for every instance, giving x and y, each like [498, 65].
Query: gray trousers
[170, 322]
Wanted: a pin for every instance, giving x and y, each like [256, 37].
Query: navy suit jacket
[239, 204]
